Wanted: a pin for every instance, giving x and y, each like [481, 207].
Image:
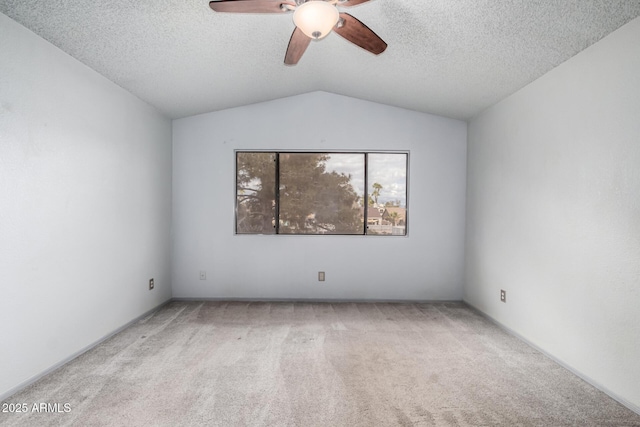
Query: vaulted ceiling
[447, 57]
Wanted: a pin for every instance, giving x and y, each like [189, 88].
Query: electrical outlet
[321, 276]
[503, 295]
[203, 275]
[151, 284]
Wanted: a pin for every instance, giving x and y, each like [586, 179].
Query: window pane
[255, 193]
[387, 182]
[319, 193]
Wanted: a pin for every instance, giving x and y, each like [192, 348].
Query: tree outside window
[320, 193]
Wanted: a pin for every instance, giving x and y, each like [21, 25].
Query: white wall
[85, 206]
[553, 213]
[426, 265]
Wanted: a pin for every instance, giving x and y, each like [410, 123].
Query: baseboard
[586, 378]
[63, 362]
[317, 300]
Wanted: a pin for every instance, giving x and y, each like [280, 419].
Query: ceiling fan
[314, 19]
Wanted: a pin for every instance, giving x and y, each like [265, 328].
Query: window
[321, 193]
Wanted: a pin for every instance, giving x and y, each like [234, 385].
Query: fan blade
[359, 34]
[250, 6]
[297, 45]
[347, 3]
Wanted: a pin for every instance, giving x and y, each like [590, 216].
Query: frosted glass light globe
[316, 18]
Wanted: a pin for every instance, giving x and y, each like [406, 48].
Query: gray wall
[553, 213]
[85, 206]
[426, 265]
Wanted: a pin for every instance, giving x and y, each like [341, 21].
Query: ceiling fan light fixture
[316, 18]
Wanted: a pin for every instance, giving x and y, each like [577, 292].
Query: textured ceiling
[448, 57]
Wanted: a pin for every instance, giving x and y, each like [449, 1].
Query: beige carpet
[316, 364]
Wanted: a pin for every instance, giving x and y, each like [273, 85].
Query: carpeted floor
[315, 364]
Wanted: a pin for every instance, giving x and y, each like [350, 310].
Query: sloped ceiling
[447, 57]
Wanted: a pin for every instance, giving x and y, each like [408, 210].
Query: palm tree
[376, 192]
